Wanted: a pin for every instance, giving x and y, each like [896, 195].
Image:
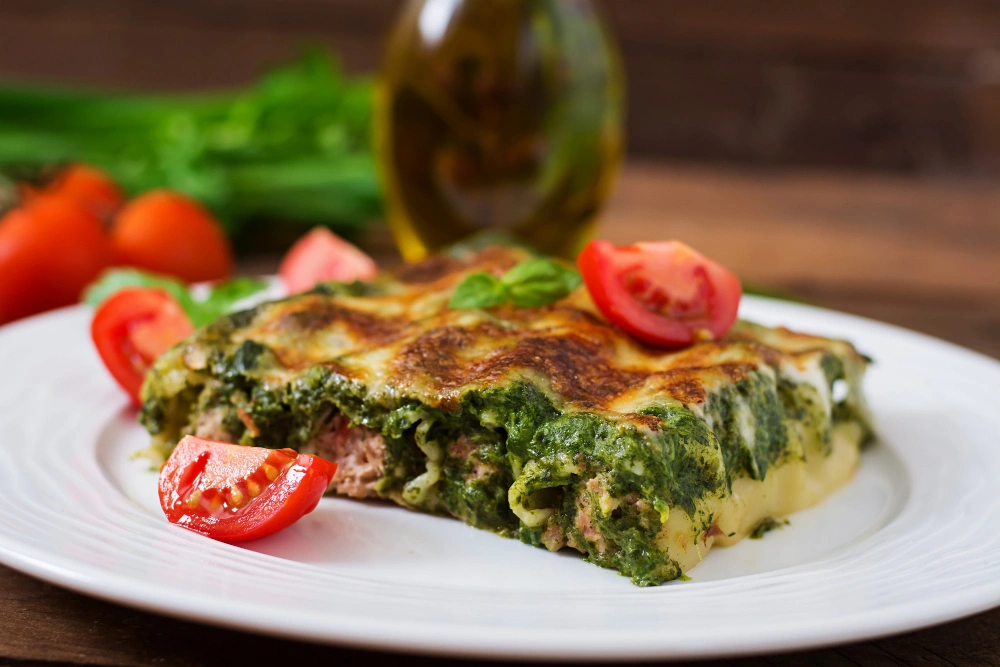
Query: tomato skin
[50, 250]
[165, 232]
[322, 256]
[204, 467]
[662, 293]
[87, 186]
[134, 327]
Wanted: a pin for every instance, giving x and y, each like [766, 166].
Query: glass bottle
[501, 116]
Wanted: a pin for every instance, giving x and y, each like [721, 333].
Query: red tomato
[321, 256]
[663, 293]
[50, 249]
[87, 186]
[166, 232]
[134, 327]
[235, 493]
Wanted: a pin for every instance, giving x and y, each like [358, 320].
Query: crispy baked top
[398, 335]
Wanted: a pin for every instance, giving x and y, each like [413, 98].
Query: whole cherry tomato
[87, 186]
[168, 233]
[50, 249]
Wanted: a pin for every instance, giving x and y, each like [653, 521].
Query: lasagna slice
[547, 425]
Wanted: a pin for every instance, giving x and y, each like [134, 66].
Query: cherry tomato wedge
[663, 293]
[134, 327]
[234, 493]
[322, 256]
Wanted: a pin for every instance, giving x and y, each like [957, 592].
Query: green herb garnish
[294, 146]
[532, 283]
[220, 300]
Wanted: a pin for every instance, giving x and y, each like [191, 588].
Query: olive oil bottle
[498, 116]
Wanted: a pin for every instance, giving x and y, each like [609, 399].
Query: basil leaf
[539, 282]
[538, 293]
[532, 283]
[478, 290]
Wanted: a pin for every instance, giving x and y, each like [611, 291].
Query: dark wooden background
[900, 85]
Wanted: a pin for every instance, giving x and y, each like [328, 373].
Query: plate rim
[124, 590]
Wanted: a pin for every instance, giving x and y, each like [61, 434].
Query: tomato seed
[194, 499]
[215, 504]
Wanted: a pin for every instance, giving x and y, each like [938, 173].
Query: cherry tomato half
[663, 292]
[321, 256]
[134, 327]
[235, 493]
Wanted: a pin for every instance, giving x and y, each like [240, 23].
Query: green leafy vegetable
[114, 280]
[295, 145]
[539, 281]
[220, 299]
[532, 283]
[478, 290]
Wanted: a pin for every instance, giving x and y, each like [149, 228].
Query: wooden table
[925, 255]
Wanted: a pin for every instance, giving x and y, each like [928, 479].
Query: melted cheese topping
[403, 336]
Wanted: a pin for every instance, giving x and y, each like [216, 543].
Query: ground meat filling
[359, 454]
[594, 499]
[208, 425]
[464, 449]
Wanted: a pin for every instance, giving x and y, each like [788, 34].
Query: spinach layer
[530, 468]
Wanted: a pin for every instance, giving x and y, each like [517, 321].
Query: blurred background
[843, 153]
[900, 86]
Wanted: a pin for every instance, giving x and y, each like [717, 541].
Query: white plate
[913, 540]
